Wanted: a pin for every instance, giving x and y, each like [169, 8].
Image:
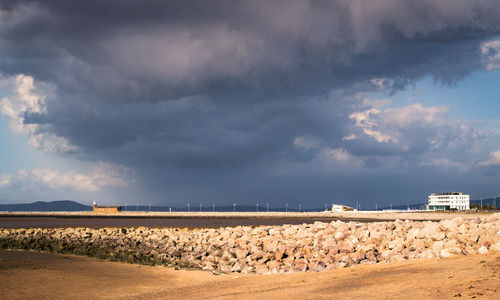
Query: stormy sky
[299, 102]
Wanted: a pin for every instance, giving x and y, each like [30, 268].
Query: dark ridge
[59, 205]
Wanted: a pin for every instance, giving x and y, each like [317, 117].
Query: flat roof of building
[446, 194]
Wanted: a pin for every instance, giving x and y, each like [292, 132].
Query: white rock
[339, 235]
[483, 250]
[496, 246]
[427, 254]
[444, 253]
[438, 236]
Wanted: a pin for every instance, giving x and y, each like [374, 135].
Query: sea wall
[270, 249]
[346, 215]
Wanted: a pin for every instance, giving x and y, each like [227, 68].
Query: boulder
[340, 235]
[269, 249]
[438, 236]
[444, 253]
[496, 246]
[273, 266]
[317, 266]
[418, 244]
[482, 250]
[241, 253]
[299, 265]
[261, 269]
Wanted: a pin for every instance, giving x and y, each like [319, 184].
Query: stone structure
[270, 249]
[105, 208]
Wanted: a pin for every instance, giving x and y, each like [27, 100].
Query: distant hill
[60, 205]
[68, 205]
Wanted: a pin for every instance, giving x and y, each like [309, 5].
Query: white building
[339, 208]
[448, 200]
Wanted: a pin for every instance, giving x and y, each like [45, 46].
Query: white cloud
[349, 137]
[306, 142]
[367, 121]
[376, 103]
[337, 156]
[26, 98]
[323, 160]
[378, 82]
[414, 135]
[494, 159]
[414, 113]
[490, 53]
[22, 174]
[384, 140]
[99, 176]
[5, 179]
[389, 125]
[446, 163]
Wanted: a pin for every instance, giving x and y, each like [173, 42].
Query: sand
[37, 275]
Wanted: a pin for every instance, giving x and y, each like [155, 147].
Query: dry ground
[48, 276]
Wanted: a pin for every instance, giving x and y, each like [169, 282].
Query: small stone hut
[106, 208]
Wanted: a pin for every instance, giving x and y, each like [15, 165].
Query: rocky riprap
[269, 249]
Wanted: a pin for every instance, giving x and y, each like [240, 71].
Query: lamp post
[286, 207]
[200, 207]
[188, 206]
[300, 207]
[234, 207]
[267, 207]
[213, 207]
[376, 207]
[257, 206]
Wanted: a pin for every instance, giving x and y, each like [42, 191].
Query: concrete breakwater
[269, 249]
[346, 215]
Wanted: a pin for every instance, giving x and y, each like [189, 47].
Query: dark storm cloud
[130, 51]
[197, 87]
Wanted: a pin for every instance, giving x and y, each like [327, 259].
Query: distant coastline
[73, 206]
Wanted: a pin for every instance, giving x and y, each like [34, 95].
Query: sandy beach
[404, 269]
[25, 274]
